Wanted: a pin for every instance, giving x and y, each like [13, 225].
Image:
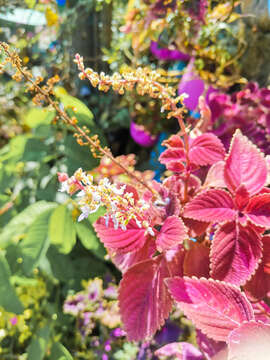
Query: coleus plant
[199, 240]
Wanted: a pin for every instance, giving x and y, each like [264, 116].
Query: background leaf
[8, 298]
[62, 229]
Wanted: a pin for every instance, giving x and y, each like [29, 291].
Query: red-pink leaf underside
[251, 341]
[174, 141]
[131, 239]
[245, 165]
[259, 284]
[258, 210]
[144, 299]
[171, 154]
[212, 205]
[241, 197]
[172, 233]
[206, 149]
[216, 308]
[235, 253]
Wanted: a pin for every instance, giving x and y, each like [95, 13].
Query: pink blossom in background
[14, 320]
[141, 136]
[194, 87]
[167, 54]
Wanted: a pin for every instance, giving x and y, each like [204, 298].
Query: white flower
[64, 187]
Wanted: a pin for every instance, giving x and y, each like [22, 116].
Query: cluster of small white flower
[120, 204]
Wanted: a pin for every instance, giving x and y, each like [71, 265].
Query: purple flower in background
[74, 304]
[169, 333]
[194, 87]
[167, 54]
[179, 350]
[141, 136]
[14, 320]
[118, 332]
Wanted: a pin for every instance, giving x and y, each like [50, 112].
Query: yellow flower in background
[51, 17]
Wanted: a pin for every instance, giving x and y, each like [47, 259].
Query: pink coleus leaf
[241, 197]
[196, 227]
[258, 210]
[206, 149]
[215, 307]
[131, 239]
[208, 347]
[172, 154]
[172, 233]
[180, 351]
[197, 260]
[144, 299]
[211, 205]
[174, 141]
[250, 341]
[259, 284]
[123, 261]
[175, 166]
[245, 165]
[235, 253]
[215, 176]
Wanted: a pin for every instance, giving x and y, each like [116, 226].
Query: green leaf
[77, 108]
[37, 116]
[35, 150]
[62, 230]
[35, 245]
[8, 298]
[19, 224]
[59, 352]
[13, 151]
[38, 346]
[76, 154]
[88, 238]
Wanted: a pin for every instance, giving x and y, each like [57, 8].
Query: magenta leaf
[245, 165]
[172, 233]
[133, 238]
[215, 307]
[258, 210]
[235, 253]
[206, 149]
[179, 350]
[211, 205]
[250, 341]
[144, 299]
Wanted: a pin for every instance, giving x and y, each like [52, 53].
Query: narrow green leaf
[35, 245]
[38, 346]
[8, 297]
[62, 230]
[88, 238]
[19, 224]
[59, 352]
